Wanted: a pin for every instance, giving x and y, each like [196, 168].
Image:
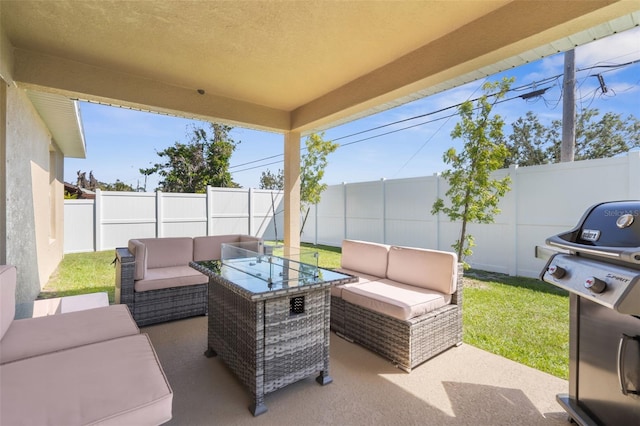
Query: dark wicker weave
[154, 306]
[406, 343]
[263, 340]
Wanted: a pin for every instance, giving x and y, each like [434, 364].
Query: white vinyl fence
[543, 201]
[113, 218]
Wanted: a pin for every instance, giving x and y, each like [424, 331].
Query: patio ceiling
[285, 66]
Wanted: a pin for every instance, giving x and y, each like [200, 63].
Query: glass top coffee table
[269, 316]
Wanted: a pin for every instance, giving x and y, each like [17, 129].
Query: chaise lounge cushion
[395, 299]
[116, 382]
[36, 336]
[430, 269]
[7, 297]
[364, 257]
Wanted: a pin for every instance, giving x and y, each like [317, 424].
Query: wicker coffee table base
[264, 342]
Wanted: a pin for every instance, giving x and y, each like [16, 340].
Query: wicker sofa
[85, 367]
[406, 304]
[154, 279]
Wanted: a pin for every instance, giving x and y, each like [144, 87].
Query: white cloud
[617, 48]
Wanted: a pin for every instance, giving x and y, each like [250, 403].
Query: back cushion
[8, 277]
[368, 258]
[430, 269]
[138, 249]
[164, 252]
[208, 248]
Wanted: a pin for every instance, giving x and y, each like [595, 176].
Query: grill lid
[608, 230]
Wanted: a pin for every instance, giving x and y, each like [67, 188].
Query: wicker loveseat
[406, 305]
[84, 367]
[154, 279]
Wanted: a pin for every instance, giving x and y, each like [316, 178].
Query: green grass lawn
[522, 319]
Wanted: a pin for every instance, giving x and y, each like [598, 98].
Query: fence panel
[183, 215]
[544, 201]
[365, 211]
[79, 231]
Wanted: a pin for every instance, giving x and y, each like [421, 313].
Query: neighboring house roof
[82, 193]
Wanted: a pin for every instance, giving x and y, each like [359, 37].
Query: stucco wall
[33, 236]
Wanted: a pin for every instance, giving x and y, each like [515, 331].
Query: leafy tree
[531, 143]
[473, 194]
[92, 184]
[528, 141]
[270, 180]
[312, 172]
[202, 161]
[146, 173]
[117, 186]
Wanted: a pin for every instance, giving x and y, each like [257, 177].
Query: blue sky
[121, 141]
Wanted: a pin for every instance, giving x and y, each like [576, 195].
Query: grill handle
[630, 255]
[624, 339]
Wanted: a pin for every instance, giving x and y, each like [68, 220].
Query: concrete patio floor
[462, 386]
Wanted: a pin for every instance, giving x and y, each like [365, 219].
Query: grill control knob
[557, 271]
[596, 285]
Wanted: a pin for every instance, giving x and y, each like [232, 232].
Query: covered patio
[286, 67]
[462, 386]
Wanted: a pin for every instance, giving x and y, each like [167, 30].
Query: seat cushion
[174, 276]
[36, 336]
[116, 382]
[365, 257]
[336, 290]
[394, 299]
[430, 269]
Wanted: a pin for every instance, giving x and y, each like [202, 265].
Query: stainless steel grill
[598, 262]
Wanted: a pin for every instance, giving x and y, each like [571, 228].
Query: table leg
[324, 378]
[258, 408]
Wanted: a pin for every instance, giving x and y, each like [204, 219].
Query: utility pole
[568, 108]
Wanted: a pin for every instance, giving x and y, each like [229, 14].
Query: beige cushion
[365, 257]
[7, 297]
[164, 252]
[430, 269]
[117, 382]
[394, 299]
[138, 249]
[336, 290]
[36, 336]
[174, 276]
[209, 247]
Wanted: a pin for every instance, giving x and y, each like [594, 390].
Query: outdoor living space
[288, 69]
[462, 386]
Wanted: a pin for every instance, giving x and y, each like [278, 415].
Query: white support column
[292, 189]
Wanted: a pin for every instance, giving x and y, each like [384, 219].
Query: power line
[527, 97]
